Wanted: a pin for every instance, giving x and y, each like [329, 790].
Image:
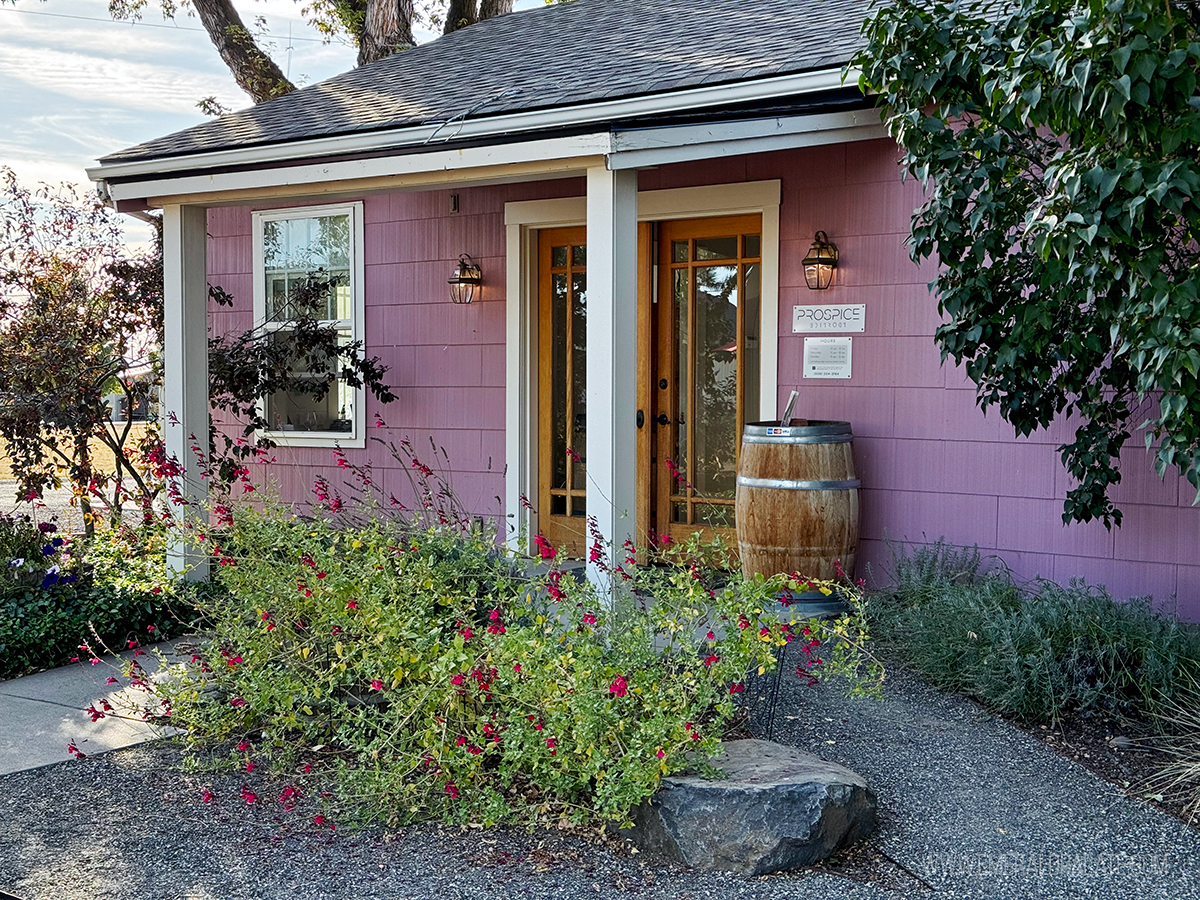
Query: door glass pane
[679, 251]
[714, 408]
[751, 350]
[681, 375]
[558, 377]
[679, 513]
[558, 257]
[753, 245]
[579, 379]
[579, 255]
[715, 514]
[717, 248]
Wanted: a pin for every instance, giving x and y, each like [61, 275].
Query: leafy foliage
[1059, 145]
[78, 311]
[1035, 654]
[399, 653]
[306, 358]
[60, 597]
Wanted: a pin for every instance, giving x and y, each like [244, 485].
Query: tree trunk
[387, 28]
[254, 71]
[490, 8]
[460, 14]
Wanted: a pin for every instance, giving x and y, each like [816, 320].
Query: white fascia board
[565, 156]
[682, 143]
[514, 123]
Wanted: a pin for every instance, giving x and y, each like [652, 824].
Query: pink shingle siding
[931, 463]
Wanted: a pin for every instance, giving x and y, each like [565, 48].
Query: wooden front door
[705, 370]
[562, 397]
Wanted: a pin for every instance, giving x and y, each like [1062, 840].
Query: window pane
[717, 248]
[714, 409]
[558, 257]
[753, 244]
[558, 377]
[579, 380]
[681, 374]
[307, 267]
[579, 255]
[751, 349]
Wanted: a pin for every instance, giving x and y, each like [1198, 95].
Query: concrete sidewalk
[41, 715]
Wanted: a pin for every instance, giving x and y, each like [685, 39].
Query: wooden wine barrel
[797, 499]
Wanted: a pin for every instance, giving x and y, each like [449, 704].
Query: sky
[75, 85]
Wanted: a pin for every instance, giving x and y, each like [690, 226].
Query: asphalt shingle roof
[555, 56]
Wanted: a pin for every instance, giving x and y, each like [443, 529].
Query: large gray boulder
[778, 809]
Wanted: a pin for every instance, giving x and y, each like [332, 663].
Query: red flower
[710, 659]
[352, 605]
[111, 680]
[517, 668]
[551, 743]
[545, 548]
[494, 615]
[243, 746]
[206, 796]
[710, 637]
[377, 685]
[318, 820]
[237, 701]
[619, 687]
[736, 688]
[451, 790]
[250, 767]
[589, 619]
[75, 751]
[457, 680]
[660, 753]
[248, 795]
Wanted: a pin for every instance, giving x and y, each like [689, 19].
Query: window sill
[345, 439]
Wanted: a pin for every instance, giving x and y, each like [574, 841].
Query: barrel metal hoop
[806, 439]
[794, 485]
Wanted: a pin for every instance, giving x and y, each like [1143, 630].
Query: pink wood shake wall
[932, 465]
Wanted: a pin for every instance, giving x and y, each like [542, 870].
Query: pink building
[639, 184]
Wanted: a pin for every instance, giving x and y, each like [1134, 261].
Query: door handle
[641, 418]
[663, 419]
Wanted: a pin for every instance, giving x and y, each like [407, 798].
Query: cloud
[114, 82]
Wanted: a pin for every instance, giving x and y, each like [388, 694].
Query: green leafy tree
[79, 310]
[1059, 146]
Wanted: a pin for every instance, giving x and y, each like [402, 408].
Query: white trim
[525, 160]
[685, 143]
[524, 218]
[520, 122]
[356, 438]
[185, 371]
[612, 355]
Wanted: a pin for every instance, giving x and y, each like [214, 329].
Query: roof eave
[434, 134]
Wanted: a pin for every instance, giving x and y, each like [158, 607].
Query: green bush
[58, 593]
[1038, 653]
[420, 671]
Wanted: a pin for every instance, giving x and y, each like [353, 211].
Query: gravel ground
[971, 808]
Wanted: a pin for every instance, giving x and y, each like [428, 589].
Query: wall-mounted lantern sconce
[466, 278]
[822, 259]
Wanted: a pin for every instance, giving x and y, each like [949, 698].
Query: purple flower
[49, 550]
[57, 542]
[47, 527]
[49, 581]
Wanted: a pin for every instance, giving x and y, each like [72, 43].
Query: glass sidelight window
[713, 363]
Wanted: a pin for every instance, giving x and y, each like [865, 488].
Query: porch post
[612, 352]
[185, 367]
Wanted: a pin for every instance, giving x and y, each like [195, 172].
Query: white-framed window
[293, 250]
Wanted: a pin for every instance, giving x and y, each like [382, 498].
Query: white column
[185, 367]
[612, 351]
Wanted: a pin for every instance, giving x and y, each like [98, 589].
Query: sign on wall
[829, 317]
[827, 357]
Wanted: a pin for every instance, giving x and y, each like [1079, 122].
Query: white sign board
[827, 357]
[848, 317]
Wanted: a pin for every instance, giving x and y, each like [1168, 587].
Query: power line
[36, 12]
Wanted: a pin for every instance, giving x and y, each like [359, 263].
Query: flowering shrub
[59, 595]
[420, 673]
